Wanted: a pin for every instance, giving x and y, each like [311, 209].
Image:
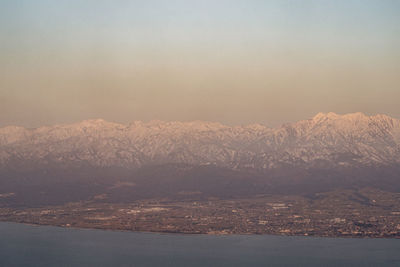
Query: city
[341, 213]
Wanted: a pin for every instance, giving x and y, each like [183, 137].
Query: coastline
[332, 216]
[215, 233]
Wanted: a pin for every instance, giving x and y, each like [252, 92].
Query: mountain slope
[97, 160]
[325, 140]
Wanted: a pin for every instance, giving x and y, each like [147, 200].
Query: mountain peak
[355, 116]
[331, 138]
[333, 116]
[96, 122]
[93, 121]
[325, 116]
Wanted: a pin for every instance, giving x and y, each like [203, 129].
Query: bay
[28, 245]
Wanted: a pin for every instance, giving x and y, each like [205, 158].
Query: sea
[29, 245]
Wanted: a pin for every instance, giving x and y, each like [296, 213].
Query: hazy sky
[236, 62]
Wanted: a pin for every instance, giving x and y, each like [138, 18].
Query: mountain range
[166, 158]
[325, 140]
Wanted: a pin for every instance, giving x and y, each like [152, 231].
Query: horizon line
[98, 120]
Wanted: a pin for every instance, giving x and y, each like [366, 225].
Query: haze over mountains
[167, 158]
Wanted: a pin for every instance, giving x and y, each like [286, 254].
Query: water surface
[26, 245]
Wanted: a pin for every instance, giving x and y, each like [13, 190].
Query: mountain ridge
[327, 139]
[95, 121]
[156, 159]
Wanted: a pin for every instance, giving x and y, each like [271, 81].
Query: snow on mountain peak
[97, 123]
[357, 116]
[324, 116]
[328, 137]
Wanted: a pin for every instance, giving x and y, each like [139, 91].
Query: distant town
[341, 213]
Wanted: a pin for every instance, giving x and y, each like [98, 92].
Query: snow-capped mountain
[326, 140]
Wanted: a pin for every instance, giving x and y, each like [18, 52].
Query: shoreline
[335, 214]
[199, 234]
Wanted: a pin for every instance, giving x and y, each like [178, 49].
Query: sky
[235, 62]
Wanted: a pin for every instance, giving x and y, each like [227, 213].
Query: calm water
[25, 245]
